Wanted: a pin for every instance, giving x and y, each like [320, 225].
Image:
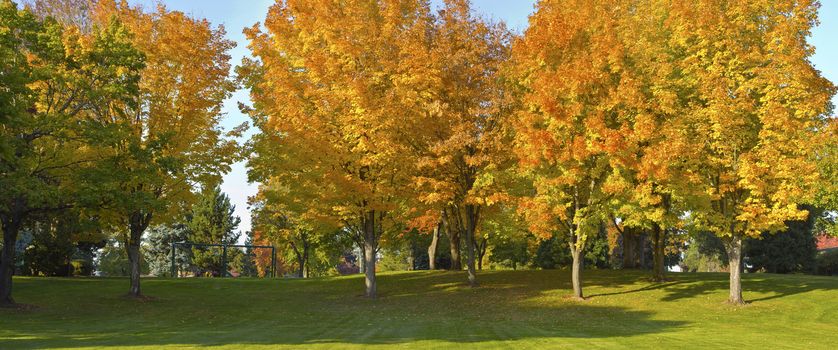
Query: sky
[236, 15]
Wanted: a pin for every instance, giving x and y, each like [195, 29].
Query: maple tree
[754, 106]
[653, 164]
[167, 140]
[826, 157]
[262, 258]
[286, 225]
[458, 140]
[573, 129]
[330, 87]
[55, 80]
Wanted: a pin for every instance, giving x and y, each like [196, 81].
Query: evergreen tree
[788, 252]
[158, 250]
[212, 222]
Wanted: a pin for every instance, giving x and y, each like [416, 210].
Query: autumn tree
[755, 104]
[330, 88]
[54, 80]
[654, 163]
[287, 226]
[262, 258]
[573, 129]
[168, 140]
[826, 157]
[458, 139]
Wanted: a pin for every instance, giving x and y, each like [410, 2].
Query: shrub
[827, 263]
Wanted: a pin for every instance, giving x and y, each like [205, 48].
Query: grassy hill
[511, 309]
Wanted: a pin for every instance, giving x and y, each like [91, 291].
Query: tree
[286, 226]
[113, 260]
[826, 197]
[459, 140]
[54, 81]
[755, 103]
[212, 221]
[331, 85]
[158, 249]
[58, 239]
[262, 258]
[573, 128]
[705, 253]
[792, 250]
[168, 139]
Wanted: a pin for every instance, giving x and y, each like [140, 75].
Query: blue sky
[236, 15]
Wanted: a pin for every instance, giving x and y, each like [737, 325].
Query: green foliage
[60, 242]
[507, 237]
[827, 263]
[791, 251]
[553, 253]
[510, 252]
[245, 263]
[59, 88]
[113, 260]
[158, 249]
[212, 221]
[705, 253]
[49, 253]
[394, 260]
[401, 252]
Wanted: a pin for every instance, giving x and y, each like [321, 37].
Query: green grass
[511, 310]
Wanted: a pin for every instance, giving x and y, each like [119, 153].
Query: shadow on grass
[691, 285]
[430, 308]
[778, 285]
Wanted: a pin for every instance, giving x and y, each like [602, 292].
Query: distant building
[826, 242]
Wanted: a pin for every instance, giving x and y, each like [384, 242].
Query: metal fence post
[223, 260]
[273, 262]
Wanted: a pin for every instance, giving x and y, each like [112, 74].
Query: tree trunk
[411, 259]
[369, 254]
[734, 256]
[471, 226]
[472, 272]
[304, 264]
[7, 261]
[301, 263]
[432, 247]
[137, 225]
[658, 253]
[629, 249]
[301, 259]
[481, 252]
[454, 239]
[134, 259]
[576, 273]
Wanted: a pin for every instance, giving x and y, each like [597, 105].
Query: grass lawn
[511, 310]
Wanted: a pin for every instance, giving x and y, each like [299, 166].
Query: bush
[827, 263]
[792, 251]
[554, 253]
